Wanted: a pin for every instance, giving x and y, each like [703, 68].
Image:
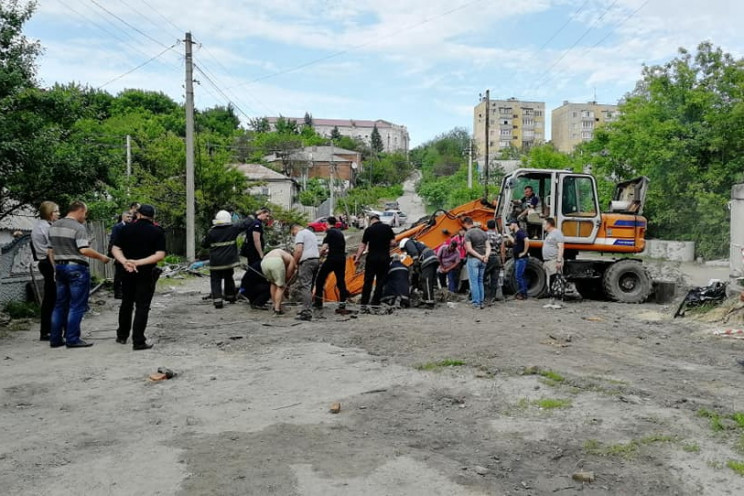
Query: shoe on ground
[121, 341]
[44, 337]
[231, 300]
[79, 344]
[365, 309]
[548, 305]
[277, 313]
[56, 345]
[304, 316]
[218, 304]
[144, 346]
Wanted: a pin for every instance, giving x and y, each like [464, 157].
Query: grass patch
[736, 466]
[440, 364]
[691, 448]
[625, 450]
[552, 403]
[715, 419]
[738, 417]
[553, 376]
[22, 309]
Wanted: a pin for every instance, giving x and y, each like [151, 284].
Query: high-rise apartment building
[574, 123]
[512, 123]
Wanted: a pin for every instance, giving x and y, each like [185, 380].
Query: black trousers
[338, 267]
[216, 277]
[375, 271]
[427, 282]
[491, 276]
[49, 298]
[137, 290]
[119, 272]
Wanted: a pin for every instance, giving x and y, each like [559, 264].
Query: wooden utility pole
[190, 207]
[470, 164]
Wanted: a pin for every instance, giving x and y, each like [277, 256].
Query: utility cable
[560, 30]
[139, 66]
[219, 90]
[179, 30]
[127, 23]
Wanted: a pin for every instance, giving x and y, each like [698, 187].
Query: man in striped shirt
[71, 251]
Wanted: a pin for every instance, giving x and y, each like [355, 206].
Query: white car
[390, 217]
[402, 217]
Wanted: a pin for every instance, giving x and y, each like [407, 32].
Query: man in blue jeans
[478, 249]
[71, 250]
[521, 254]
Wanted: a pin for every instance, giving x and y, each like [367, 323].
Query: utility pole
[333, 164]
[190, 213]
[488, 135]
[470, 164]
[129, 156]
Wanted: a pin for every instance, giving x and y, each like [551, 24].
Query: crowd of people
[470, 261]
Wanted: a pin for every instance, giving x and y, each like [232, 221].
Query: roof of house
[23, 219]
[317, 154]
[258, 172]
[340, 122]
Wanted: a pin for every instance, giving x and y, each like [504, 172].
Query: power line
[544, 78]
[178, 29]
[128, 24]
[219, 90]
[143, 16]
[139, 66]
[560, 30]
[214, 81]
[361, 45]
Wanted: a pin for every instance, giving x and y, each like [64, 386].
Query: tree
[260, 124]
[335, 134]
[683, 127]
[308, 120]
[286, 126]
[376, 140]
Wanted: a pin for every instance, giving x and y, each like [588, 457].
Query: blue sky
[420, 63]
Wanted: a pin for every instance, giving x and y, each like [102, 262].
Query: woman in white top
[49, 212]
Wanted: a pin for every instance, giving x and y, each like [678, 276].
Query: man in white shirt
[306, 255]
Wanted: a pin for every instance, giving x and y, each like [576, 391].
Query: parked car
[390, 218]
[392, 205]
[402, 217]
[319, 225]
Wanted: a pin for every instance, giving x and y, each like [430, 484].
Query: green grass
[738, 417]
[691, 448]
[440, 364]
[627, 450]
[552, 403]
[715, 419]
[553, 376]
[736, 466]
[22, 309]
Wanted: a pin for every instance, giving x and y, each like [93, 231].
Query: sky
[419, 63]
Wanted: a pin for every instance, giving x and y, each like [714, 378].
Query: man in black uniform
[379, 238]
[223, 255]
[334, 247]
[425, 264]
[253, 248]
[138, 247]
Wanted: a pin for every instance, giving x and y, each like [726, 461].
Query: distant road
[411, 203]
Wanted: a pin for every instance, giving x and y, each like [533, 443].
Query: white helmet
[223, 217]
[402, 244]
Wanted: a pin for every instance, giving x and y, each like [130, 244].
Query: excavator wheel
[627, 281]
[535, 274]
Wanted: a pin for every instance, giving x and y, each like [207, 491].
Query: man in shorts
[278, 267]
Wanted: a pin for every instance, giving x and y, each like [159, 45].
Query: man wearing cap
[138, 247]
[70, 251]
[221, 240]
[379, 238]
[520, 252]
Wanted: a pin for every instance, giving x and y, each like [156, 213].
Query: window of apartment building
[528, 111]
[506, 132]
[505, 110]
[587, 114]
[587, 125]
[528, 122]
[504, 144]
[515, 137]
[574, 114]
[586, 135]
[505, 122]
[538, 113]
[528, 134]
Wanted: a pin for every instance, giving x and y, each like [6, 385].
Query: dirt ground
[513, 399]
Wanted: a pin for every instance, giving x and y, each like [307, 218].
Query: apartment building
[395, 137]
[512, 123]
[574, 123]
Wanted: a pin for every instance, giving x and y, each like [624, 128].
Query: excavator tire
[535, 274]
[627, 281]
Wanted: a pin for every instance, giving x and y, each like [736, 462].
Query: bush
[22, 309]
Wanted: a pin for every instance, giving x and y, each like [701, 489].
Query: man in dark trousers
[221, 240]
[397, 287]
[255, 287]
[138, 247]
[379, 238]
[425, 264]
[253, 248]
[124, 219]
[334, 248]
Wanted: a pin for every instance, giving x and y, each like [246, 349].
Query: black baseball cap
[147, 210]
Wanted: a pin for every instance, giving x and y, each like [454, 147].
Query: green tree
[376, 141]
[683, 127]
[335, 134]
[260, 124]
[308, 120]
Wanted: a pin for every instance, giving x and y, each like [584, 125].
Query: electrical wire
[167, 49]
[219, 90]
[143, 16]
[127, 23]
[560, 30]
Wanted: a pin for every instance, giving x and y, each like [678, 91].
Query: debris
[451, 304]
[286, 406]
[169, 374]
[583, 476]
[729, 333]
[481, 470]
[532, 370]
[158, 377]
[381, 390]
[235, 338]
[712, 294]
[335, 408]
[593, 319]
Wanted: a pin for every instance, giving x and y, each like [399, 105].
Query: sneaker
[218, 304]
[304, 315]
[548, 305]
[342, 305]
[277, 313]
[365, 309]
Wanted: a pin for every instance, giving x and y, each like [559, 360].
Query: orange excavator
[571, 199]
